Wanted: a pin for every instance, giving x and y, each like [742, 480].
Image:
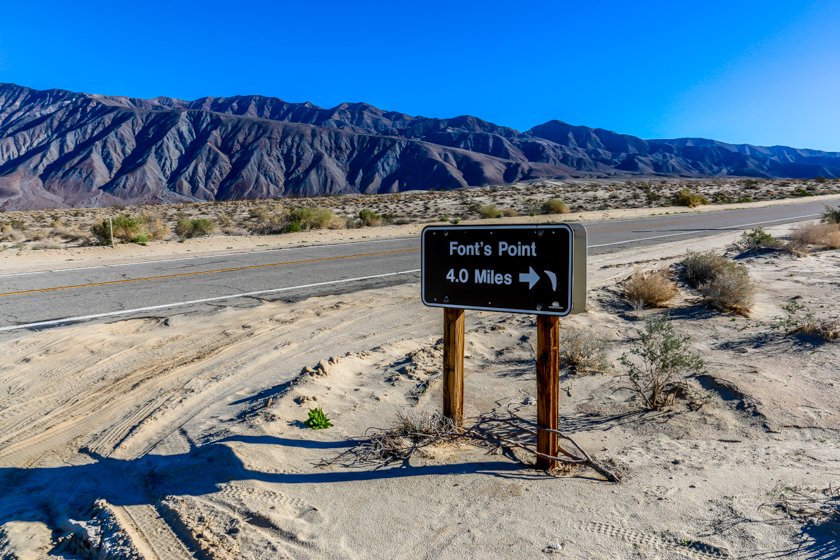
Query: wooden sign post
[548, 389]
[534, 269]
[453, 365]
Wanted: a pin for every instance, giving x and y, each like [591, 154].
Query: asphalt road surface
[55, 297]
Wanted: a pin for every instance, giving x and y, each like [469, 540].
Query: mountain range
[60, 148]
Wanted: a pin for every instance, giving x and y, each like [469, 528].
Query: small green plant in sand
[658, 361]
[799, 320]
[318, 420]
[755, 239]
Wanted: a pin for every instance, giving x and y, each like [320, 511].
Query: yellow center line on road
[202, 272]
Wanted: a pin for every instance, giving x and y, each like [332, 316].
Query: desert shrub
[825, 235]
[584, 351]
[831, 215]
[9, 233]
[225, 220]
[699, 268]
[757, 238]
[304, 219]
[685, 197]
[264, 221]
[509, 212]
[259, 213]
[799, 320]
[724, 284]
[187, 228]
[126, 229]
[658, 361]
[154, 226]
[489, 211]
[317, 420]
[369, 217]
[731, 289]
[554, 206]
[652, 289]
[531, 207]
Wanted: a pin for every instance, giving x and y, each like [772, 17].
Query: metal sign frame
[576, 274]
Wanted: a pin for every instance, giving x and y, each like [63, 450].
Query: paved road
[49, 298]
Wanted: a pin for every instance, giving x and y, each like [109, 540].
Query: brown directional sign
[535, 269]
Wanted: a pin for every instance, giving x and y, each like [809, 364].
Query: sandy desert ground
[183, 437]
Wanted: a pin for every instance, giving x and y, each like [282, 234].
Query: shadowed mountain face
[59, 148]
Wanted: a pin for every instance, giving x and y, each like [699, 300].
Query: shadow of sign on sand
[50, 494]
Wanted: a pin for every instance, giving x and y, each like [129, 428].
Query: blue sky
[740, 71]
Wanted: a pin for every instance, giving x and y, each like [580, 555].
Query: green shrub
[369, 217]
[724, 284]
[187, 228]
[317, 420]
[731, 289]
[799, 191]
[554, 206]
[699, 268]
[687, 198]
[657, 361]
[489, 211]
[757, 238]
[126, 230]
[831, 215]
[304, 219]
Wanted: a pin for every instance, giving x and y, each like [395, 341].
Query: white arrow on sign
[553, 278]
[531, 277]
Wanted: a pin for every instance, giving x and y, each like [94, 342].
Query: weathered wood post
[548, 388]
[453, 365]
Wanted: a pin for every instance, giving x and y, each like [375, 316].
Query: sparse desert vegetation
[583, 350]
[724, 284]
[650, 289]
[73, 227]
[798, 319]
[685, 197]
[659, 360]
[826, 235]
